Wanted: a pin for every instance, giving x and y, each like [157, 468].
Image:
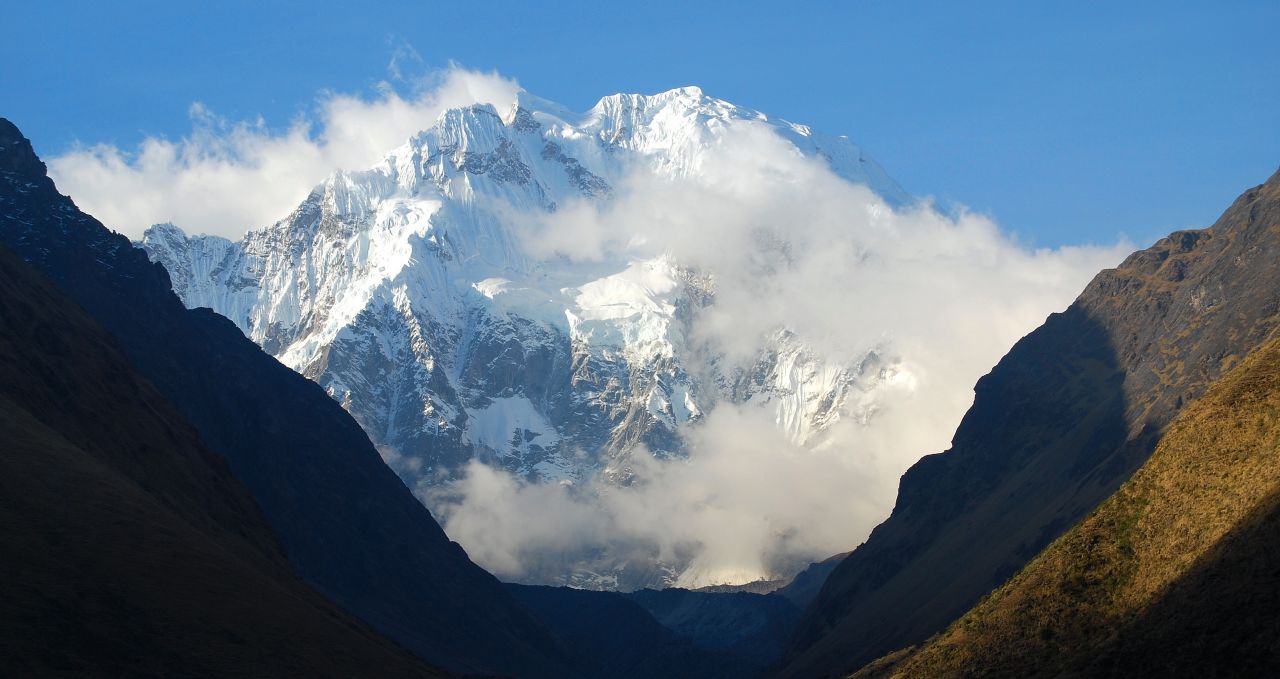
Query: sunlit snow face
[788, 244]
[227, 176]
[875, 317]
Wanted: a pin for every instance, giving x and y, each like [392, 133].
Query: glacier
[410, 293]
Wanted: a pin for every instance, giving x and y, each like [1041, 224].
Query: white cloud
[789, 244]
[746, 503]
[225, 178]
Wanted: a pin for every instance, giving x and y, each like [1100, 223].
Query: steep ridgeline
[408, 293]
[1063, 419]
[129, 548]
[804, 587]
[1176, 575]
[346, 523]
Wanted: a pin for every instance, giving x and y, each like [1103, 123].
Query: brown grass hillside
[1059, 424]
[1177, 574]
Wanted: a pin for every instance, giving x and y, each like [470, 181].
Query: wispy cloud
[226, 177]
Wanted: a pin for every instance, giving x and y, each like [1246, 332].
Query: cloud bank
[227, 177]
[789, 245]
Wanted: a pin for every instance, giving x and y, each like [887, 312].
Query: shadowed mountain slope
[616, 638]
[346, 523]
[1176, 575]
[748, 626]
[1063, 419]
[129, 548]
[804, 588]
[669, 633]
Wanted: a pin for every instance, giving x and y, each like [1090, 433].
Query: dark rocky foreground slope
[1176, 575]
[129, 548]
[346, 523]
[1065, 418]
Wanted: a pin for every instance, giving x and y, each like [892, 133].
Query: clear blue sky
[1067, 123]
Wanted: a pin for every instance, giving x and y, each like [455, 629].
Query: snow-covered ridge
[408, 292]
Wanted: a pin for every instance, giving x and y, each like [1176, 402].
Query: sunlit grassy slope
[1177, 574]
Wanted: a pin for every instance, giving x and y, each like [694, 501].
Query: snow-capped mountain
[408, 292]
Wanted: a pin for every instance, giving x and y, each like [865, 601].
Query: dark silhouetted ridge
[129, 548]
[347, 524]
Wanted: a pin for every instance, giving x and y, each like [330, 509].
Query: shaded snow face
[667, 341]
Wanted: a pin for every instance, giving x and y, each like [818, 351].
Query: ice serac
[409, 293]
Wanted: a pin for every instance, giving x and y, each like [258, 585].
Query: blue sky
[1068, 123]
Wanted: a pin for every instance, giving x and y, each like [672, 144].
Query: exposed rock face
[408, 293]
[348, 525]
[1056, 427]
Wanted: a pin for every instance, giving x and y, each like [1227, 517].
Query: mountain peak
[163, 229]
[16, 154]
[687, 91]
[689, 97]
[419, 270]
